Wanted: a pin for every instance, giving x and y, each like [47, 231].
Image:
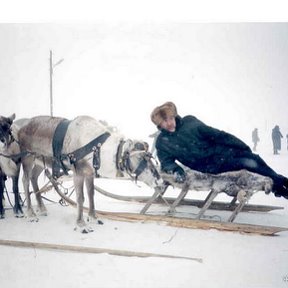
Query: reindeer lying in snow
[240, 185]
[230, 183]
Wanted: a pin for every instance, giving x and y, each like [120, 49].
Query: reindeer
[85, 142]
[9, 165]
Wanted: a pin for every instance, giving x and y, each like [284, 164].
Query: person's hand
[178, 173]
[179, 177]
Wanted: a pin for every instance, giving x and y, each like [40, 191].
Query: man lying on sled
[206, 149]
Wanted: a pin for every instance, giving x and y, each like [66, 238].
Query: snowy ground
[229, 259]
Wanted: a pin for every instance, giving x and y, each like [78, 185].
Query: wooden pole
[81, 249]
[51, 85]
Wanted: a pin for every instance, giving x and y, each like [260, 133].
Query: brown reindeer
[9, 165]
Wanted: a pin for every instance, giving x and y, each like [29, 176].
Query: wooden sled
[176, 221]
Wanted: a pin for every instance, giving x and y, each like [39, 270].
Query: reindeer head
[138, 163]
[6, 137]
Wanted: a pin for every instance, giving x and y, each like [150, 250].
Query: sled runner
[162, 199]
[240, 185]
[174, 220]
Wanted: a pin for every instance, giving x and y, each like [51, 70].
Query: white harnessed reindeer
[81, 153]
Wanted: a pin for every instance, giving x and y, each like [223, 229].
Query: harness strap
[119, 161]
[16, 157]
[57, 145]
[58, 157]
[92, 146]
[141, 167]
[123, 162]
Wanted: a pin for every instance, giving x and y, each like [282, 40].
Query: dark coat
[209, 150]
[199, 147]
[276, 138]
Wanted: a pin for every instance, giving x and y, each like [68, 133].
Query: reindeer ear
[146, 146]
[12, 118]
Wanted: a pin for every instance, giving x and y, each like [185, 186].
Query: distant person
[276, 139]
[203, 148]
[255, 138]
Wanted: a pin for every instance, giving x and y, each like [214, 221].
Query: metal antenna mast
[51, 79]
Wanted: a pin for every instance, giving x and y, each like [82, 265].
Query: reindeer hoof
[84, 230]
[19, 215]
[87, 230]
[43, 213]
[18, 212]
[94, 219]
[32, 218]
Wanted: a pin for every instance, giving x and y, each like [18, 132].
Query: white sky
[231, 76]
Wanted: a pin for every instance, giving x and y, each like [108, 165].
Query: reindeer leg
[27, 170]
[36, 171]
[243, 198]
[233, 202]
[80, 222]
[17, 206]
[2, 184]
[89, 181]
